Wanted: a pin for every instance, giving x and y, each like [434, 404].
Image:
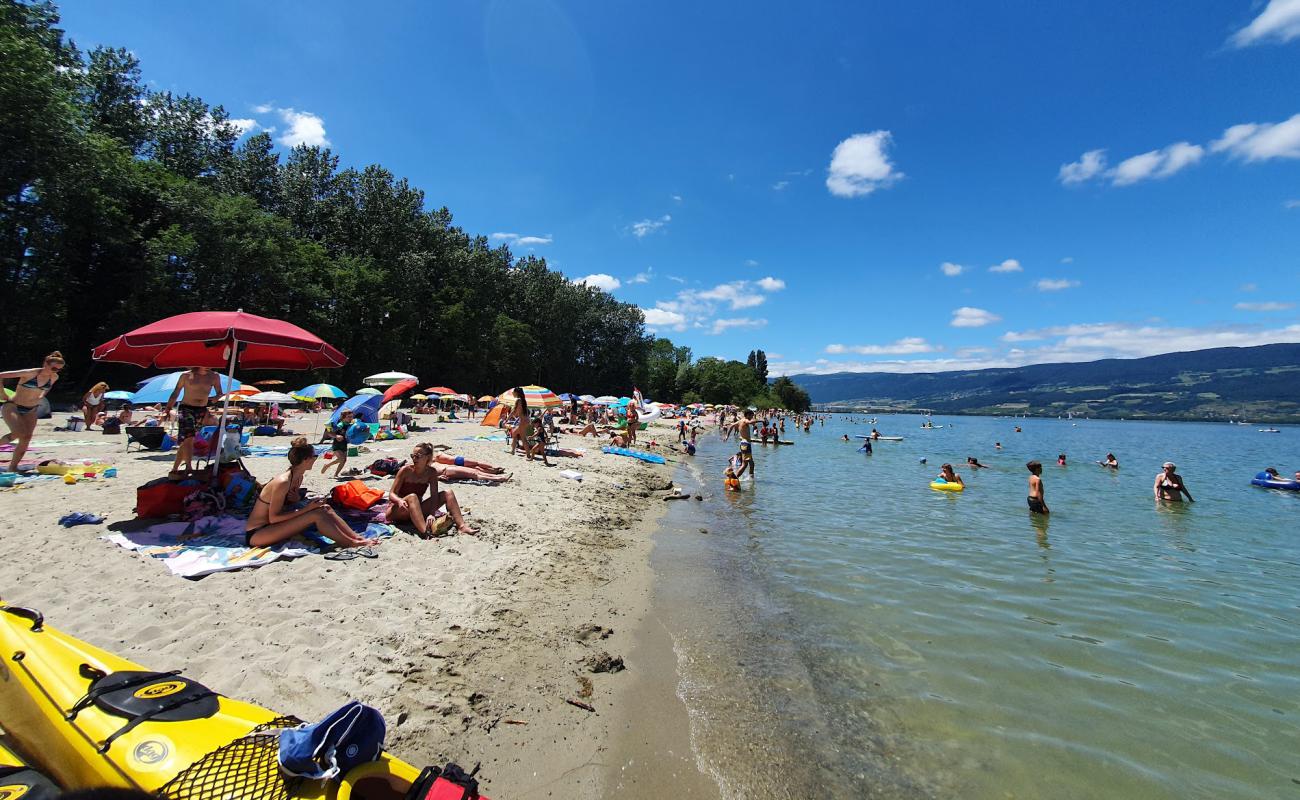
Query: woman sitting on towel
[407, 502]
[273, 520]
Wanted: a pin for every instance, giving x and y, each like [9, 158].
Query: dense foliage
[1255, 383]
[120, 205]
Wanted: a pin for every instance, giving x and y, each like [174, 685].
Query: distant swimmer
[875, 434]
[1111, 462]
[1037, 496]
[1169, 484]
[846, 437]
[1018, 429]
[974, 463]
[1060, 460]
[997, 445]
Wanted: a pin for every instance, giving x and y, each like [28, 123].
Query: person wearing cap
[1169, 484]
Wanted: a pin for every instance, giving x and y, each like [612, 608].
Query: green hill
[1257, 383]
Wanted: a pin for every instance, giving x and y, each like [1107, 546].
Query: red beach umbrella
[440, 390]
[203, 339]
[397, 390]
[221, 339]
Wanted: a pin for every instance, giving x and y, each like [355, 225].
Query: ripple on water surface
[845, 631]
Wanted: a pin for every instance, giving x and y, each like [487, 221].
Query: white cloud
[264, 108]
[967, 317]
[724, 325]
[1068, 260]
[860, 165]
[1010, 265]
[1279, 22]
[1055, 284]
[1253, 141]
[600, 280]
[304, 128]
[780, 185]
[676, 279]
[1072, 343]
[244, 125]
[642, 277]
[1269, 306]
[1156, 163]
[1090, 165]
[737, 293]
[677, 198]
[524, 241]
[950, 269]
[661, 318]
[749, 262]
[906, 346]
[770, 284]
[1289, 204]
[1248, 287]
[648, 226]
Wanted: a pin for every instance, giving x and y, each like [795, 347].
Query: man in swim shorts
[744, 431]
[1037, 498]
[195, 387]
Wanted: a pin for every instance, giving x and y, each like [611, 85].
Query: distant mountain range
[1259, 384]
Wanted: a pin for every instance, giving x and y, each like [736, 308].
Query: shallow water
[843, 630]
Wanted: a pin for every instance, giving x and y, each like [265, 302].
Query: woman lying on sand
[407, 502]
[19, 411]
[272, 520]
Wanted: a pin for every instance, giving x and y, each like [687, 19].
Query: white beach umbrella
[271, 397]
[605, 400]
[388, 378]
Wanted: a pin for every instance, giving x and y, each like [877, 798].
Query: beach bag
[111, 426]
[204, 502]
[240, 491]
[356, 494]
[385, 466]
[352, 735]
[445, 783]
[265, 430]
[163, 497]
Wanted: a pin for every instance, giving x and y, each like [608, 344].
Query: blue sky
[846, 186]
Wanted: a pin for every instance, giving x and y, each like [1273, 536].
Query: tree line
[120, 205]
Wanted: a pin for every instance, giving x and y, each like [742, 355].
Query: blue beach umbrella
[160, 387]
[321, 390]
[365, 406]
[118, 395]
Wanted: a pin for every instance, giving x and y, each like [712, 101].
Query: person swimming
[1111, 462]
[974, 463]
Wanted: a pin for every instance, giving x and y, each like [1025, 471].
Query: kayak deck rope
[247, 768]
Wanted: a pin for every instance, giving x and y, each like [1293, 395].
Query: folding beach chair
[148, 437]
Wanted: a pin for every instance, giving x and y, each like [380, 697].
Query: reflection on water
[844, 631]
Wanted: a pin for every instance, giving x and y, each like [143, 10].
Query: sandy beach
[469, 645]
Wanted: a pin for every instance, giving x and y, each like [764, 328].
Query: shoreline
[453, 639]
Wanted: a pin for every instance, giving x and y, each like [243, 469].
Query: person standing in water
[195, 387]
[1037, 496]
[744, 427]
[1169, 484]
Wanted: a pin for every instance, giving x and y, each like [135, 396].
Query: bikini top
[31, 383]
[93, 399]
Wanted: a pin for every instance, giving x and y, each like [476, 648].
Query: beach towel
[259, 451]
[491, 437]
[4, 448]
[216, 544]
[641, 455]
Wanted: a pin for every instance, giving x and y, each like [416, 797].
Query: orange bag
[356, 494]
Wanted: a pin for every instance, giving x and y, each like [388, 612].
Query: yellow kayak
[88, 718]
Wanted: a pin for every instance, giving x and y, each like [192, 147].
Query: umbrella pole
[225, 407]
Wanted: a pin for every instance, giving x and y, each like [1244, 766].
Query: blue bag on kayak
[352, 735]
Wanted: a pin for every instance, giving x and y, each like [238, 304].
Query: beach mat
[485, 438]
[216, 544]
[260, 451]
[640, 455]
[8, 448]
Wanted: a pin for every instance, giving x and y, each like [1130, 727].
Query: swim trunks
[188, 420]
[1036, 505]
[746, 446]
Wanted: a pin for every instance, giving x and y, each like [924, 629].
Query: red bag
[163, 497]
[356, 494]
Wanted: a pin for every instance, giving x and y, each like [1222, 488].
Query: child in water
[1060, 460]
[1037, 499]
[730, 481]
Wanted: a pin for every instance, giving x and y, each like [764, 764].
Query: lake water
[844, 631]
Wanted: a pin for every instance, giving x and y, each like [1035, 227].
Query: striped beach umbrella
[319, 391]
[440, 390]
[534, 396]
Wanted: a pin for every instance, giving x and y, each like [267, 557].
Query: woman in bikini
[19, 411]
[407, 502]
[523, 428]
[273, 520]
[93, 403]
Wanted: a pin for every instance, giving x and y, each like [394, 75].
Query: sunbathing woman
[407, 502]
[272, 521]
[19, 411]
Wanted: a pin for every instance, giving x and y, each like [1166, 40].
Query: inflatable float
[946, 486]
[1268, 482]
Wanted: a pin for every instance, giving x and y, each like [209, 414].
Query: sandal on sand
[341, 555]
